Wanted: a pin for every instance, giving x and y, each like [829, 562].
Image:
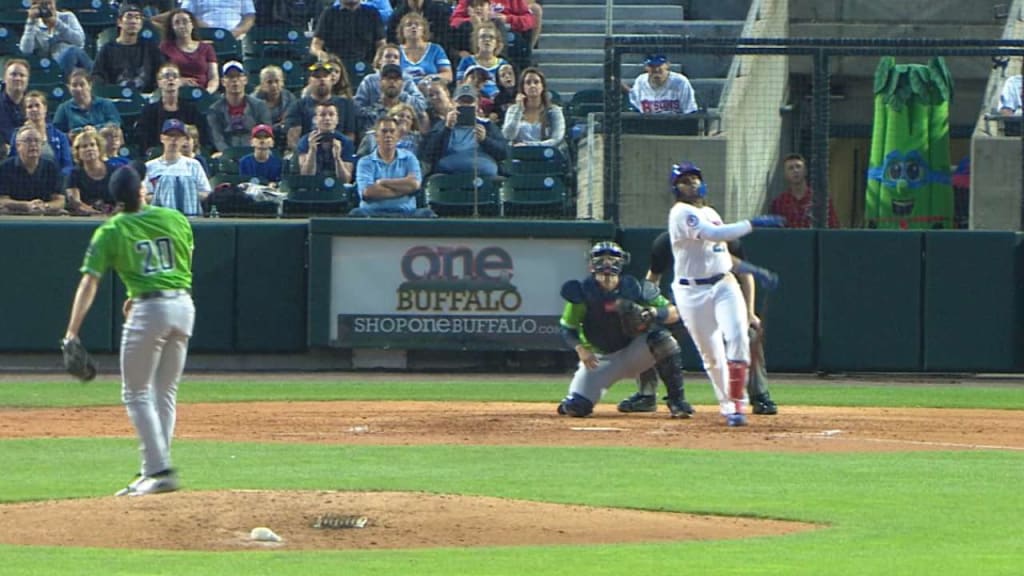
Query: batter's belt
[162, 294]
[701, 281]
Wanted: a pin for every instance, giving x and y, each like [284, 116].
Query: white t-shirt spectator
[1010, 97]
[675, 96]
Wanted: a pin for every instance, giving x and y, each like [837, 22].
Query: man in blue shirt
[389, 177]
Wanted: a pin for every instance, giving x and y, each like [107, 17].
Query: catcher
[615, 324]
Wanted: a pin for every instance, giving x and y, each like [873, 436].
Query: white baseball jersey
[177, 184]
[1010, 96]
[675, 96]
[699, 240]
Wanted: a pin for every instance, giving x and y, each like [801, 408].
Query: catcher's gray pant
[154, 345]
[626, 363]
[716, 317]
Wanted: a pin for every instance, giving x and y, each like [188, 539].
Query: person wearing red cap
[262, 163]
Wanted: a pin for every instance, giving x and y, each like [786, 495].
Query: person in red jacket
[510, 16]
[796, 202]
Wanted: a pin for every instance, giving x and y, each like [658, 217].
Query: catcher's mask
[682, 169]
[608, 257]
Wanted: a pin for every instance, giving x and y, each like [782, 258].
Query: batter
[150, 249]
[706, 292]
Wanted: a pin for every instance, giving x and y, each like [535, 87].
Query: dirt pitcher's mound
[223, 521]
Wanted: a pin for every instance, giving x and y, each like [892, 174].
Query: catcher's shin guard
[668, 362]
[737, 383]
[647, 382]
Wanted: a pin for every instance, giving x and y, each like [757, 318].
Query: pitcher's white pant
[154, 345]
[716, 317]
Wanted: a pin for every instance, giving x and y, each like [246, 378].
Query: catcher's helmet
[682, 169]
[608, 257]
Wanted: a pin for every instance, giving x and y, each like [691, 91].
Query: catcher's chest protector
[602, 325]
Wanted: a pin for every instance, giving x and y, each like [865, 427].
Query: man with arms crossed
[150, 248]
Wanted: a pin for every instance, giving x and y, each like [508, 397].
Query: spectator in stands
[1010, 97]
[56, 147]
[435, 12]
[232, 116]
[271, 90]
[236, 16]
[299, 118]
[295, 14]
[154, 114]
[537, 10]
[478, 77]
[58, 35]
[12, 116]
[369, 89]
[172, 180]
[384, 10]
[420, 56]
[511, 18]
[113, 146]
[84, 109]
[410, 130]
[440, 102]
[487, 43]
[389, 177]
[796, 202]
[533, 120]
[506, 95]
[30, 184]
[196, 60]
[87, 186]
[325, 149]
[190, 148]
[128, 60]
[453, 148]
[340, 83]
[349, 30]
[391, 93]
[660, 91]
[263, 163]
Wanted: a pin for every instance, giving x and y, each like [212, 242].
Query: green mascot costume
[909, 174]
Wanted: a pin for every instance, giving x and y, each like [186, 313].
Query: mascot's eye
[894, 171]
[912, 170]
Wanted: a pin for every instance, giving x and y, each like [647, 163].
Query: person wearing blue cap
[174, 180]
[150, 249]
[660, 91]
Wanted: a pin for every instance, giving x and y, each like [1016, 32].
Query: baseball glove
[635, 319]
[77, 360]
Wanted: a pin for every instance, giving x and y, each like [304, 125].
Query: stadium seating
[533, 195]
[277, 42]
[462, 195]
[224, 44]
[294, 71]
[316, 195]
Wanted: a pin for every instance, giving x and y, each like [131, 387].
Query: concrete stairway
[571, 50]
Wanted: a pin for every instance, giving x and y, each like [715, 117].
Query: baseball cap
[232, 65]
[126, 8]
[124, 184]
[324, 67]
[478, 68]
[262, 129]
[465, 91]
[173, 125]
[655, 60]
[391, 70]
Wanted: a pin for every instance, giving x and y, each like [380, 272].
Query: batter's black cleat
[763, 405]
[639, 403]
[679, 408]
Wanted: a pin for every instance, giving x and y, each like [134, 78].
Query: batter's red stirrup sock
[737, 384]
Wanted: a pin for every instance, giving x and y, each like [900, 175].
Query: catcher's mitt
[77, 360]
[635, 318]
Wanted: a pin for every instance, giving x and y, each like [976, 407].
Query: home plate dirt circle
[222, 521]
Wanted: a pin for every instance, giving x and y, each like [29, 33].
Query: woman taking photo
[196, 60]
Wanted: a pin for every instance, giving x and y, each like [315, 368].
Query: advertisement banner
[450, 293]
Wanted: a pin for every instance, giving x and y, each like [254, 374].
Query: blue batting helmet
[608, 257]
[682, 169]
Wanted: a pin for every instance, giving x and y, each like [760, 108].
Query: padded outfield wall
[849, 300]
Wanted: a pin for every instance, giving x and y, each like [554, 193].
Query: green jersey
[150, 250]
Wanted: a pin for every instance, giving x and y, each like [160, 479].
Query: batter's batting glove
[768, 221]
[77, 360]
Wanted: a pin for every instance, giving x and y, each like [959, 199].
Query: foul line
[834, 435]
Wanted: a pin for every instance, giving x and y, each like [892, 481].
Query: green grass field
[938, 512]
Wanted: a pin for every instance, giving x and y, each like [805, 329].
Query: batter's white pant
[626, 363]
[154, 345]
[716, 317]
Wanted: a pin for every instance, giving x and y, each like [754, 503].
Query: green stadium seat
[533, 195]
[278, 42]
[294, 71]
[462, 195]
[316, 195]
[224, 43]
[536, 160]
